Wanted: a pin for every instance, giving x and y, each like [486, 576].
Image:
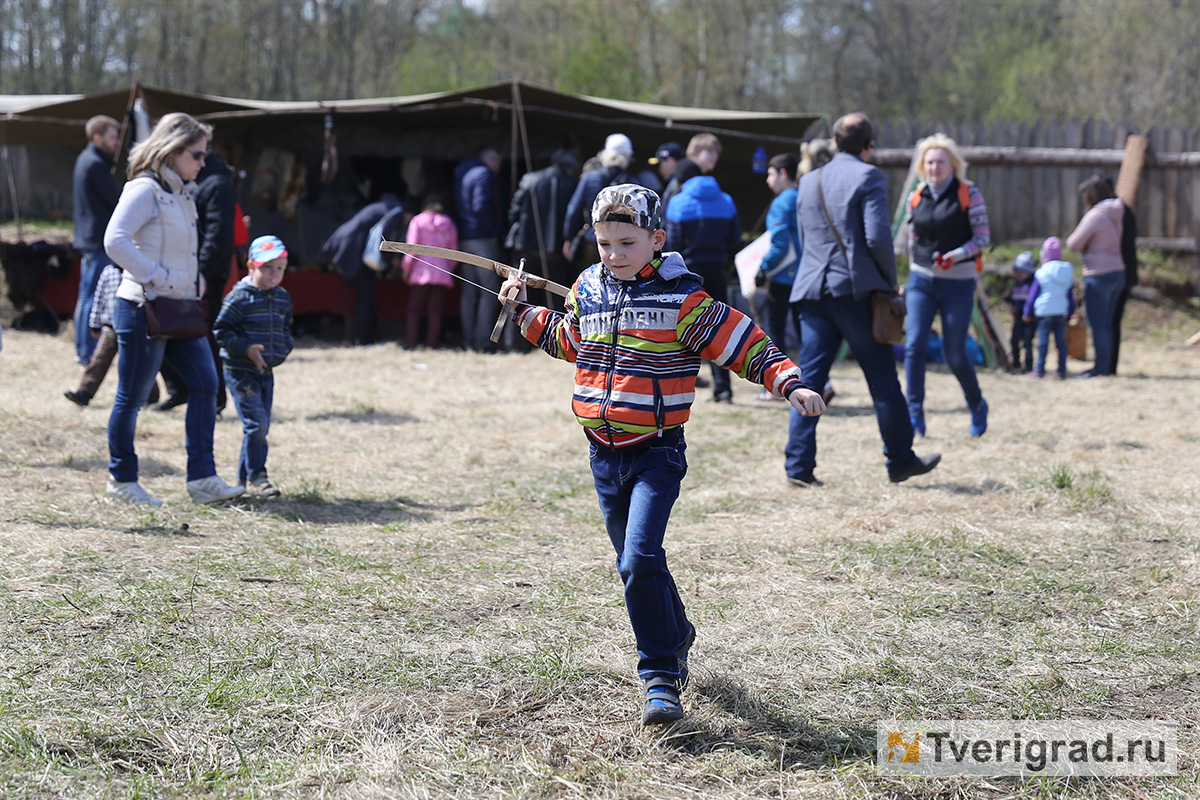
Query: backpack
[370, 254]
[964, 200]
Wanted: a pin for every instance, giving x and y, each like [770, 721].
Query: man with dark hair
[846, 255]
[96, 195]
[480, 229]
[536, 217]
[780, 262]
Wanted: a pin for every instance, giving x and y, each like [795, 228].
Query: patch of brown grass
[431, 608]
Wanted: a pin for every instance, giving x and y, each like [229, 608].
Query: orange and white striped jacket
[637, 346]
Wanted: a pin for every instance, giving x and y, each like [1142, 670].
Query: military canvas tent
[382, 143]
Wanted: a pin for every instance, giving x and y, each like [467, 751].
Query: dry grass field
[431, 609]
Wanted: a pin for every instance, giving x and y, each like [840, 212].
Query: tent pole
[12, 191]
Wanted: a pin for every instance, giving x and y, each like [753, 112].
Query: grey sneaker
[212, 490]
[130, 492]
[262, 488]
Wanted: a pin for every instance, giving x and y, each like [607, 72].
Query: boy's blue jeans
[138, 361]
[955, 298]
[1046, 326]
[253, 395]
[637, 488]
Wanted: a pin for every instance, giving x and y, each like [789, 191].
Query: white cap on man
[620, 143]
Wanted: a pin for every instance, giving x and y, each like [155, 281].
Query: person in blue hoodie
[703, 226]
[779, 264]
[1051, 301]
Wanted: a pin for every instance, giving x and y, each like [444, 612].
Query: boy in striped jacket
[254, 330]
[638, 326]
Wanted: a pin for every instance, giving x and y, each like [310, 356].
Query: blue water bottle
[759, 163]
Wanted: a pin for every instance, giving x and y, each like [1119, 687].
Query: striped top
[637, 346]
[249, 316]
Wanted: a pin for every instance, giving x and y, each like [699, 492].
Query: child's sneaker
[1037, 376]
[662, 702]
[130, 492]
[212, 490]
[1060, 375]
[262, 489]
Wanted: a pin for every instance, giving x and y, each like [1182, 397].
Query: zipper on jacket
[612, 360]
[660, 408]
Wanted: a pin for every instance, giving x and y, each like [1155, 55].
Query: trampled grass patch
[431, 608]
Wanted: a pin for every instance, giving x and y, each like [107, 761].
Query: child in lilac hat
[1051, 302]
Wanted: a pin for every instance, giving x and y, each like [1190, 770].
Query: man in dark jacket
[215, 203]
[846, 255]
[480, 228]
[536, 216]
[703, 227]
[343, 250]
[96, 195]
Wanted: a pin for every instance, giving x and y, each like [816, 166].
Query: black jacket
[215, 205]
[96, 195]
[551, 189]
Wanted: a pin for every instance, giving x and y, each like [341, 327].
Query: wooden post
[1130, 176]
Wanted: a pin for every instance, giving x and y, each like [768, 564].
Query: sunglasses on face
[197, 155]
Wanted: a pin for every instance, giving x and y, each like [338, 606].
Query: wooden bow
[503, 270]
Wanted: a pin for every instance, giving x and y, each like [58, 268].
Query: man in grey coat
[831, 297]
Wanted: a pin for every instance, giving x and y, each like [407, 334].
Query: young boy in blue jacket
[254, 330]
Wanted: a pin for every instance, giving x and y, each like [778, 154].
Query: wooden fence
[1033, 202]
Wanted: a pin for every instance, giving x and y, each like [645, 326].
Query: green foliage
[1128, 61]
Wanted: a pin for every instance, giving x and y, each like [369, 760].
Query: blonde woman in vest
[947, 232]
[153, 237]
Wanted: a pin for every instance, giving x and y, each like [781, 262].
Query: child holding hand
[254, 330]
[638, 325]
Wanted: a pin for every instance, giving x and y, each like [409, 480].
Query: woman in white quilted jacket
[154, 238]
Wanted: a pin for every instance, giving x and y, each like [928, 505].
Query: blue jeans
[637, 488]
[1100, 295]
[1045, 327]
[823, 325]
[91, 265]
[253, 395]
[955, 299]
[139, 359]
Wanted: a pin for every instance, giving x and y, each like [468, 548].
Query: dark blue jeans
[138, 362]
[1100, 294]
[1058, 327]
[637, 489]
[780, 310]
[1022, 337]
[253, 395]
[91, 265]
[823, 325]
[479, 308]
[955, 299]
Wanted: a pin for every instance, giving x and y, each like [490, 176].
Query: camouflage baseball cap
[647, 210]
